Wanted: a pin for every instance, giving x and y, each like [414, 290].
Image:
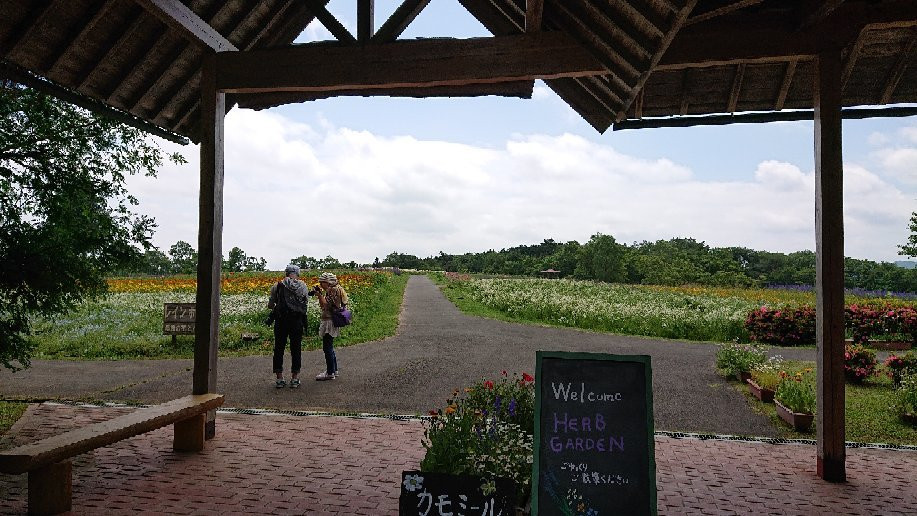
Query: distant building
[550, 273]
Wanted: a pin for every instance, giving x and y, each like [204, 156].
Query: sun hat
[291, 269]
[329, 278]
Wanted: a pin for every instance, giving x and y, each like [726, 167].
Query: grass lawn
[10, 411]
[870, 412]
[127, 323]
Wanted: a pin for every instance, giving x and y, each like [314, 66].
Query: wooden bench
[47, 461]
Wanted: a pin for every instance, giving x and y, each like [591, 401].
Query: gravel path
[437, 349]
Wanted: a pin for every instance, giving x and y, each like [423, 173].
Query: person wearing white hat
[331, 296]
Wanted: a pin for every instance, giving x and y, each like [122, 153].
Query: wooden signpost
[178, 319]
[593, 443]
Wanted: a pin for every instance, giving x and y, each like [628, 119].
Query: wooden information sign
[593, 435]
[433, 494]
[178, 319]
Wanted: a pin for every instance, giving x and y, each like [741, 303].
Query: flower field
[689, 312]
[127, 323]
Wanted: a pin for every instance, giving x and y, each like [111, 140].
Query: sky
[359, 178]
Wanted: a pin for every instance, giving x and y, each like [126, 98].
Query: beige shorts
[326, 326]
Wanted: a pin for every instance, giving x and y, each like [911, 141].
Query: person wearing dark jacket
[288, 301]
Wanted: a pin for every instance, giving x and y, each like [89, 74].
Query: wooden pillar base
[189, 434]
[210, 429]
[832, 470]
[50, 489]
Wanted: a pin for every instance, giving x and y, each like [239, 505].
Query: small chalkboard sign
[594, 450]
[432, 494]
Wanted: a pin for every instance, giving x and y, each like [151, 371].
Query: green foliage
[906, 394]
[767, 374]
[786, 326]
[183, 257]
[909, 249]
[733, 358]
[897, 366]
[797, 392]
[238, 261]
[66, 217]
[601, 258]
[10, 411]
[486, 431]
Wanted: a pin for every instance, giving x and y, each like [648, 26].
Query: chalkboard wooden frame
[650, 431]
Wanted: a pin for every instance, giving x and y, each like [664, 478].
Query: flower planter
[743, 376]
[909, 418]
[887, 345]
[765, 395]
[800, 422]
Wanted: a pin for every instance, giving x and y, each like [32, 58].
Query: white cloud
[292, 189]
[909, 133]
[900, 163]
[877, 139]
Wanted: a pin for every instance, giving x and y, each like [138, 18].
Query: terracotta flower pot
[765, 395]
[799, 421]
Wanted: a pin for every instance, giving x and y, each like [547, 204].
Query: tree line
[677, 261]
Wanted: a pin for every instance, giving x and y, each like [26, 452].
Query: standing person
[331, 296]
[289, 297]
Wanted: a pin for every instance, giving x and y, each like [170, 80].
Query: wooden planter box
[743, 376]
[800, 422]
[909, 418]
[888, 345]
[765, 395]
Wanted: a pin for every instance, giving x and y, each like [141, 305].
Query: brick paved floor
[334, 465]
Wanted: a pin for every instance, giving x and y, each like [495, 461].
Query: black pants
[288, 325]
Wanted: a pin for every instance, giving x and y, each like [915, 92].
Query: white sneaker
[324, 376]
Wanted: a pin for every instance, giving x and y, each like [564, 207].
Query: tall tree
[184, 258]
[66, 217]
[910, 248]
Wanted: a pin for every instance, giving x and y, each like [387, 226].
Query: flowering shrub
[898, 365]
[734, 358]
[783, 327]
[487, 431]
[906, 394]
[767, 374]
[796, 392]
[859, 363]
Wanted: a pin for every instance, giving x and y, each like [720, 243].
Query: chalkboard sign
[433, 494]
[594, 450]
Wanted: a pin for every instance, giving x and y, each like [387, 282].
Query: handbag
[342, 317]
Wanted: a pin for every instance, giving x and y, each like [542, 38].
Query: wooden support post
[50, 489]
[189, 434]
[829, 266]
[365, 14]
[210, 237]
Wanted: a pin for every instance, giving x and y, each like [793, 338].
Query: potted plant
[735, 359]
[795, 399]
[485, 431]
[898, 365]
[906, 398]
[765, 378]
[859, 363]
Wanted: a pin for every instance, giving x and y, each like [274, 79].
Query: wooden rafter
[898, 70]
[726, 9]
[851, 60]
[399, 21]
[109, 49]
[680, 18]
[785, 86]
[736, 88]
[32, 23]
[534, 15]
[616, 62]
[406, 64]
[820, 13]
[638, 104]
[761, 118]
[319, 11]
[87, 27]
[180, 17]
[365, 13]
[684, 92]
[147, 54]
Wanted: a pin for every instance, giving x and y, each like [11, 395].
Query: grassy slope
[10, 411]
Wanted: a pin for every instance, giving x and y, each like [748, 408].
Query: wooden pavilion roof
[649, 58]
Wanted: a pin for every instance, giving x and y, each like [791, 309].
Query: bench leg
[50, 489]
[189, 434]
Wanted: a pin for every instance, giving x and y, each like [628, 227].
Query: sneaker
[280, 384]
[294, 383]
[324, 376]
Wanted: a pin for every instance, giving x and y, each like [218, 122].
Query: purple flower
[512, 407]
[497, 401]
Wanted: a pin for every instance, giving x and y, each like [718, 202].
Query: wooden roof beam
[365, 13]
[318, 10]
[87, 26]
[821, 13]
[757, 118]
[726, 9]
[785, 86]
[32, 23]
[181, 18]
[406, 64]
[534, 15]
[898, 71]
[398, 21]
[736, 88]
[851, 60]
